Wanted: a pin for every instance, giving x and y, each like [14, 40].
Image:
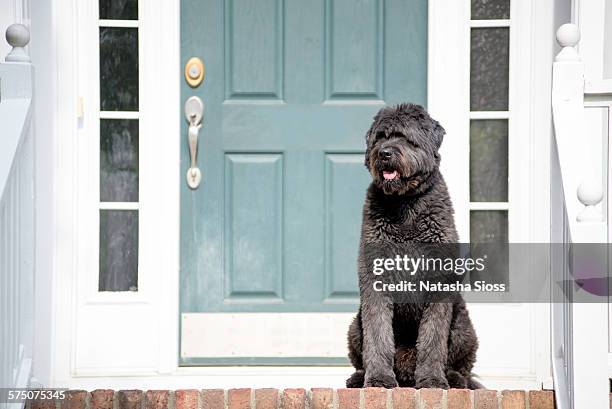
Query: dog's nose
[385, 153]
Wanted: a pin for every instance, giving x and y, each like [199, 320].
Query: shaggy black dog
[419, 344]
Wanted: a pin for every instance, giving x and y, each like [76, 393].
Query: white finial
[590, 193]
[18, 36]
[568, 36]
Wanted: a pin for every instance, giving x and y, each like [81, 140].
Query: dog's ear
[369, 136]
[367, 152]
[438, 133]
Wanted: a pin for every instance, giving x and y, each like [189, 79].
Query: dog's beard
[395, 180]
[394, 186]
[390, 187]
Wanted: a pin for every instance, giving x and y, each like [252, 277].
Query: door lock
[194, 72]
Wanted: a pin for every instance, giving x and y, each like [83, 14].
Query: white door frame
[449, 81]
[148, 319]
[448, 94]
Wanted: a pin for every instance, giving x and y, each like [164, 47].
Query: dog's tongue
[388, 175]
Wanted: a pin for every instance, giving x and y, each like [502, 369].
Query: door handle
[194, 113]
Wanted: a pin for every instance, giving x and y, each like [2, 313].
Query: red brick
[102, 399]
[484, 399]
[431, 398]
[266, 398]
[403, 398]
[348, 398]
[213, 399]
[42, 404]
[156, 399]
[459, 399]
[541, 400]
[293, 399]
[75, 400]
[375, 398]
[513, 400]
[131, 399]
[239, 399]
[186, 399]
[322, 398]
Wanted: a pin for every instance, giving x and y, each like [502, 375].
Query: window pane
[490, 9]
[489, 226]
[118, 69]
[118, 250]
[119, 9]
[607, 42]
[118, 160]
[489, 160]
[489, 69]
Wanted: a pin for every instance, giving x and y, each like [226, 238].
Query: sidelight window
[489, 116]
[119, 145]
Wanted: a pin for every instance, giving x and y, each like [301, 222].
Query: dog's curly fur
[427, 344]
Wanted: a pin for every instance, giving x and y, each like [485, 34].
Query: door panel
[341, 230]
[355, 56]
[253, 227]
[254, 49]
[291, 87]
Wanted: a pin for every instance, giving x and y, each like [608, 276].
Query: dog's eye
[412, 144]
[405, 137]
[380, 135]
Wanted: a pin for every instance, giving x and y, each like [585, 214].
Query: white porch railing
[580, 330]
[17, 243]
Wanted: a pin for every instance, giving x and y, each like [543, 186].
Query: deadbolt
[194, 72]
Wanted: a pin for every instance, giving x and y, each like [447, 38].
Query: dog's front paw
[441, 383]
[380, 381]
[356, 380]
[456, 380]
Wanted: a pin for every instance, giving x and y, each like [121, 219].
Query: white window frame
[89, 156]
[156, 304]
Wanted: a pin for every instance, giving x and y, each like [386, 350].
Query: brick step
[316, 398]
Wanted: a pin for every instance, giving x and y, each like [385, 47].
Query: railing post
[568, 114]
[590, 194]
[17, 213]
[588, 367]
[18, 36]
[16, 74]
[568, 36]
[590, 320]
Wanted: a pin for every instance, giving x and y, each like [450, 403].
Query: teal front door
[290, 90]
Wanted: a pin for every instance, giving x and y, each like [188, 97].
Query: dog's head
[402, 148]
